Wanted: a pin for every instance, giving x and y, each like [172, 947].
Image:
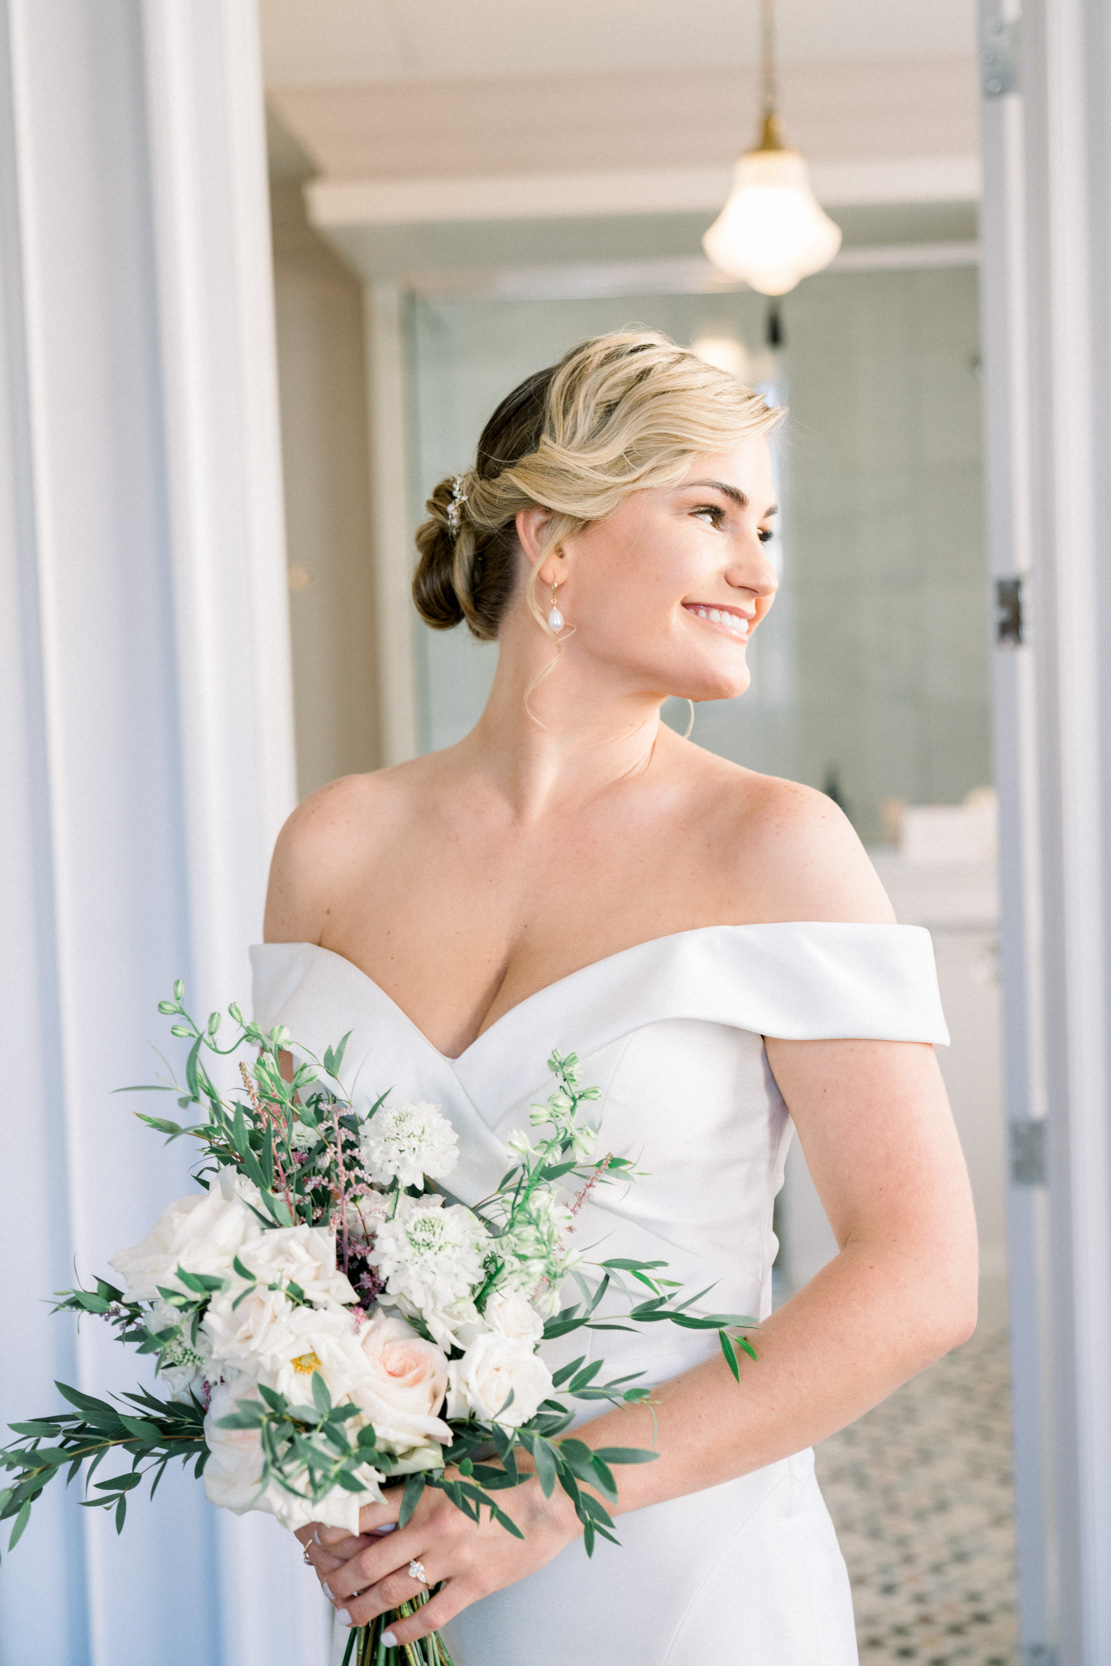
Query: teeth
[731, 621]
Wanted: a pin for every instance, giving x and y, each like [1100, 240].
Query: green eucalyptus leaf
[624, 1264]
[565, 1371]
[21, 1521]
[140, 1428]
[348, 1482]
[410, 1498]
[625, 1454]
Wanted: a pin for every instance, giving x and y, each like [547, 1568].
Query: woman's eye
[765, 535]
[715, 512]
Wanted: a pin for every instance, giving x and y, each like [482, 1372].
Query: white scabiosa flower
[406, 1142]
[431, 1257]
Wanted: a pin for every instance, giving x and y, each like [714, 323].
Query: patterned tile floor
[921, 1493]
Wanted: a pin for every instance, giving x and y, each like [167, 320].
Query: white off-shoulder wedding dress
[747, 1573]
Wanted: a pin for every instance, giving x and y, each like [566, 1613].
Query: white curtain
[146, 756]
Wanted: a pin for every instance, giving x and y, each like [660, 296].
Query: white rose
[239, 1330]
[492, 1368]
[202, 1233]
[508, 1313]
[406, 1142]
[233, 1472]
[402, 1390]
[454, 1325]
[304, 1254]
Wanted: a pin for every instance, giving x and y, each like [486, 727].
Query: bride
[717, 948]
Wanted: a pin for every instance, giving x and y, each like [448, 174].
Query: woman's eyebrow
[734, 492]
[739, 497]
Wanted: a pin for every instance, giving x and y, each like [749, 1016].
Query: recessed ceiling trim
[353, 202]
[686, 276]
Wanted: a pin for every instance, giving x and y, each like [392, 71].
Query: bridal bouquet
[324, 1318]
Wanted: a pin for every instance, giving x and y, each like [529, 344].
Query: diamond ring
[416, 1571]
[305, 1557]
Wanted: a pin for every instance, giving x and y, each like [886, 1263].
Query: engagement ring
[416, 1571]
[305, 1557]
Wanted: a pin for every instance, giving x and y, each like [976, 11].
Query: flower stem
[365, 1642]
[342, 1186]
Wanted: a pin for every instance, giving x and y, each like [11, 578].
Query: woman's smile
[732, 620]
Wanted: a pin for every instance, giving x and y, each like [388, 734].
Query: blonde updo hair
[620, 413]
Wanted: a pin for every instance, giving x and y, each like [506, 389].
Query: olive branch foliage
[308, 1449]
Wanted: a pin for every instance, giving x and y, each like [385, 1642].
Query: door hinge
[1000, 57]
[1010, 626]
[1027, 1152]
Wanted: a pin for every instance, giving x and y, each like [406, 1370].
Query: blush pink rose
[404, 1388]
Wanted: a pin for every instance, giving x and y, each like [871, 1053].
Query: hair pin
[455, 506]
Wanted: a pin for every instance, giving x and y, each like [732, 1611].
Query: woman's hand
[367, 1575]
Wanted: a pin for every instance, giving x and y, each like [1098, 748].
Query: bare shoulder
[326, 843]
[796, 856]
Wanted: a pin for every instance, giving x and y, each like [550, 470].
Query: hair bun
[434, 592]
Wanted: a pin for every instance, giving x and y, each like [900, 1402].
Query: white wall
[321, 363]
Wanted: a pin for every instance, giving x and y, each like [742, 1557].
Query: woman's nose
[756, 574]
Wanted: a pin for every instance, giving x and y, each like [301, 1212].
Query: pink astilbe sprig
[599, 1171]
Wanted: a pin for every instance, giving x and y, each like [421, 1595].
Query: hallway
[922, 1496]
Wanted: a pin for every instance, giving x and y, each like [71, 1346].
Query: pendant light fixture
[772, 231]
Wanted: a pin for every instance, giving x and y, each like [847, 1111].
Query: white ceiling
[337, 42]
[632, 119]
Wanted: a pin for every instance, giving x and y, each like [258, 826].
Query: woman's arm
[879, 1138]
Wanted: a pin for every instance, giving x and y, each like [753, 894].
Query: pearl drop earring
[555, 617]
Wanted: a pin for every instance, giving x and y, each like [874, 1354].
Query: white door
[1046, 273]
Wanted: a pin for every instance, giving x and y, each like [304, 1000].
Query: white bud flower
[407, 1142]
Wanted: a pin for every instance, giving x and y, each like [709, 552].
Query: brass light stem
[769, 81]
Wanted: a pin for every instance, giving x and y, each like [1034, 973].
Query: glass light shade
[772, 231]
